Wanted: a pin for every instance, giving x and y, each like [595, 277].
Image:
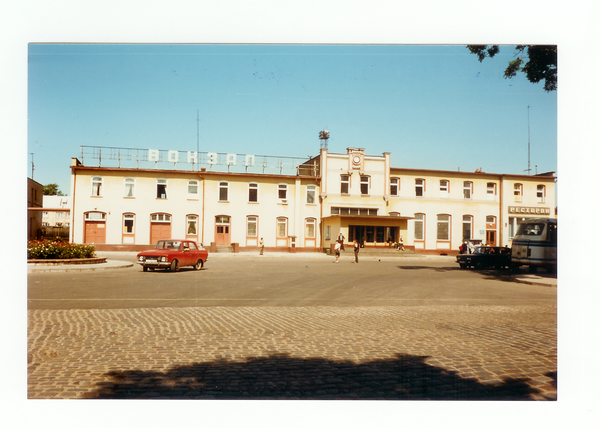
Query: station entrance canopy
[369, 231]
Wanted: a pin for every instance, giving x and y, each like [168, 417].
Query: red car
[172, 254]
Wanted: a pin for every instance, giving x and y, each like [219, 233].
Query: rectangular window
[193, 189]
[128, 220]
[282, 191]
[518, 192]
[161, 188]
[253, 192]
[96, 186]
[394, 186]
[443, 227]
[282, 227]
[467, 189]
[45, 214]
[345, 184]
[129, 187]
[223, 191]
[59, 215]
[68, 215]
[192, 225]
[252, 226]
[419, 186]
[310, 228]
[491, 191]
[444, 188]
[541, 193]
[419, 226]
[327, 232]
[467, 227]
[364, 185]
[379, 234]
[311, 192]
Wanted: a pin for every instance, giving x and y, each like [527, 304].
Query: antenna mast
[528, 145]
[197, 132]
[32, 165]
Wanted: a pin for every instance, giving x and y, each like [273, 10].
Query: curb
[111, 264]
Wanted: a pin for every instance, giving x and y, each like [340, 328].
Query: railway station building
[128, 199]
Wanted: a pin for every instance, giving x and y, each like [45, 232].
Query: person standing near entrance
[356, 250]
[336, 251]
[261, 244]
[401, 244]
[341, 241]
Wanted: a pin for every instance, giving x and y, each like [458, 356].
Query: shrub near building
[59, 250]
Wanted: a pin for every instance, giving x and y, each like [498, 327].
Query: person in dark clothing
[356, 249]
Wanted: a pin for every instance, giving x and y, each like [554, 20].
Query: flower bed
[59, 250]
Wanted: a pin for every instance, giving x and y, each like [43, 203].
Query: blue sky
[431, 106]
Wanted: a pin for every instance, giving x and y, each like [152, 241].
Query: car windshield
[168, 245]
[479, 250]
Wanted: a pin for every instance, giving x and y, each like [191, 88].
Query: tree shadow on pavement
[279, 376]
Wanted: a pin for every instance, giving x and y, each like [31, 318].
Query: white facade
[358, 195]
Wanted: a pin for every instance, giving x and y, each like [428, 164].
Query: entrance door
[222, 230]
[159, 231]
[95, 232]
[490, 237]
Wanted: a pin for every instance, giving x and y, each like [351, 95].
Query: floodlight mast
[324, 137]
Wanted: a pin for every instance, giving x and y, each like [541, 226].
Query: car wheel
[532, 269]
[199, 264]
[174, 265]
[478, 266]
[145, 268]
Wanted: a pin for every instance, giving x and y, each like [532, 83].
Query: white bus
[535, 244]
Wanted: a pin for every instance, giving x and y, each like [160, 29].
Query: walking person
[261, 244]
[356, 250]
[341, 240]
[336, 251]
[401, 244]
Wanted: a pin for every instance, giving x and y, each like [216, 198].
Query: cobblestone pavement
[432, 352]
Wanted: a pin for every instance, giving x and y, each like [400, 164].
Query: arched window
[252, 226]
[443, 227]
[467, 228]
[192, 225]
[310, 228]
[281, 227]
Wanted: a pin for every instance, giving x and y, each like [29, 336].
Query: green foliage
[538, 62]
[52, 189]
[59, 250]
